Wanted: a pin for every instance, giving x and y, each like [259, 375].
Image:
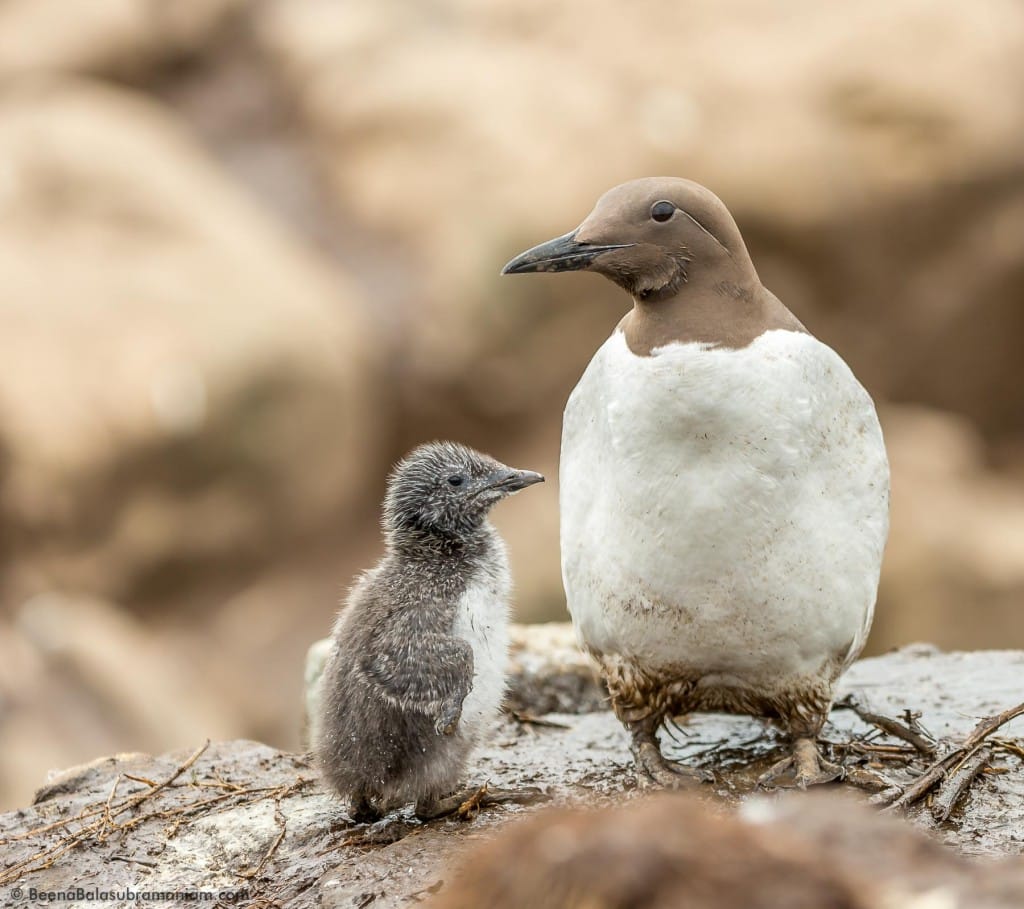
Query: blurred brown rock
[548, 673]
[184, 385]
[954, 567]
[78, 674]
[871, 158]
[111, 37]
[671, 850]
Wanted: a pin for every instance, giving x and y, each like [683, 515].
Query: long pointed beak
[563, 253]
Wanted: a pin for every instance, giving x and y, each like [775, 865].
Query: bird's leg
[363, 811]
[467, 802]
[808, 766]
[653, 768]
[811, 769]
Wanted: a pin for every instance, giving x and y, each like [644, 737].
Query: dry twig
[528, 719]
[957, 783]
[952, 761]
[99, 822]
[470, 808]
[892, 727]
[100, 828]
[255, 872]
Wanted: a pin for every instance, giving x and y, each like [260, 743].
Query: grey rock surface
[244, 817]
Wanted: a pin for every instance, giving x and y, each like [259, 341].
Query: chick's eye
[456, 480]
[662, 211]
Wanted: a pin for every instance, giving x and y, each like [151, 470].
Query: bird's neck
[722, 310]
[430, 547]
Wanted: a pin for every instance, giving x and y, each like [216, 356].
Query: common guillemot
[724, 483]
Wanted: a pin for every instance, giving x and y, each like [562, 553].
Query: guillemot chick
[416, 674]
[724, 484]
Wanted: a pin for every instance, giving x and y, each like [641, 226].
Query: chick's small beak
[564, 253]
[512, 480]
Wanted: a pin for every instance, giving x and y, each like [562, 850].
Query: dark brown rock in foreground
[816, 851]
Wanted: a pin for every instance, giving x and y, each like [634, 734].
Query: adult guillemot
[724, 483]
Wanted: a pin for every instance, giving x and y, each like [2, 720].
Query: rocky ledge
[245, 821]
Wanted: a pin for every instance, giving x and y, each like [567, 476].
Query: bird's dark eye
[456, 480]
[662, 211]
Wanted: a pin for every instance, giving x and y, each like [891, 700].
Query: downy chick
[417, 670]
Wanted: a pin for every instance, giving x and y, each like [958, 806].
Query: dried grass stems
[943, 770]
[524, 718]
[97, 822]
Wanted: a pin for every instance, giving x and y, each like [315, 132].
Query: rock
[673, 850]
[482, 125]
[189, 389]
[111, 37]
[953, 691]
[905, 867]
[79, 676]
[239, 816]
[957, 537]
[549, 673]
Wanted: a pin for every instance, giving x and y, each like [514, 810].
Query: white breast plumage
[481, 619]
[723, 511]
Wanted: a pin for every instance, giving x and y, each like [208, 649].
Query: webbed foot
[654, 769]
[808, 766]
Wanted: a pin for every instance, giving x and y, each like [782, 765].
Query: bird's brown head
[654, 237]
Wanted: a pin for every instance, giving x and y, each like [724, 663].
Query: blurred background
[249, 255]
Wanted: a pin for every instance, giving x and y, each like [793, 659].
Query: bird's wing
[431, 674]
